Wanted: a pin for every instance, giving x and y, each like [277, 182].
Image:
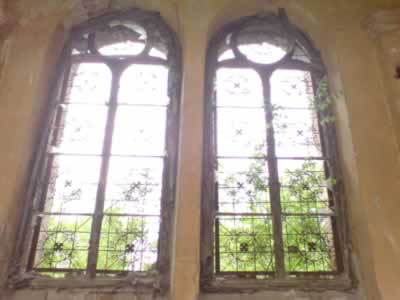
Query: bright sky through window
[270, 183]
[132, 198]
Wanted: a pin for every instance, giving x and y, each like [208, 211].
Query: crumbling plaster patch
[73, 11]
[77, 10]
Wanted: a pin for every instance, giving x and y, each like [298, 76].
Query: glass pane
[301, 54]
[243, 186]
[121, 38]
[241, 132]
[89, 83]
[292, 89]
[237, 172]
[239, 88]
[144, 84]
[225, 55]
[134, 186]
[304, 186]
[263, 53]
[72, 185]
[159, 52]
[81, 129]
[140, 131]
[308, 244]
[63, 242]
[263, 42]
[123, 48]
[245, 244]
[237, 200]
[296, 133]
[128, 243]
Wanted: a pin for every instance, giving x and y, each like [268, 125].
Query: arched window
[271, 206]
[105, 178]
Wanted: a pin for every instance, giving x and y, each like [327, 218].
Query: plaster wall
[361, 63]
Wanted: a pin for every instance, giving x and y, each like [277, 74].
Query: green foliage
[324, 102]
[65, 243]
[246, 243]
[124, 240]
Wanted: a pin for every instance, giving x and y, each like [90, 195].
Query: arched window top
[133, 33]
[106, 166]
[271, 192]
[265, 42]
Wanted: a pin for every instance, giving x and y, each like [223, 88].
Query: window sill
[142, 282]
[228, 285]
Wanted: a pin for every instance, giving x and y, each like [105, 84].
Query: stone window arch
[272, 193]
[104, 178]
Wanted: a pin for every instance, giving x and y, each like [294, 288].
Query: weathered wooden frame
[238, 281]
[159, 33]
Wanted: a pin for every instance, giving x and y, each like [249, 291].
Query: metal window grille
[104, 177]
[271, 186]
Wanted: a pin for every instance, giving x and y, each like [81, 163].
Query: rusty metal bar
[65, 270]
[233, 214]
[303, 274]
[288, 65]
[89, 214]
[277, 157]
[127, 60]
[259, 107]
[100, 155]
[120, 104]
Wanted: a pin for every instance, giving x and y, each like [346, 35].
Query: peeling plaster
[74, 11]
[95, 7]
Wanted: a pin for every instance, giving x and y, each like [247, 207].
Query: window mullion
[101, 189]
[274, 185]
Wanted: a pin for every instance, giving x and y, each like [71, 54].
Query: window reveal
[270, 170]
[109, 169]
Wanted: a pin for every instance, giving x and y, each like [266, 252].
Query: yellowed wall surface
[360, 44]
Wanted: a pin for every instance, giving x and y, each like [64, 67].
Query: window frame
[212, 281]
[151, 21]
